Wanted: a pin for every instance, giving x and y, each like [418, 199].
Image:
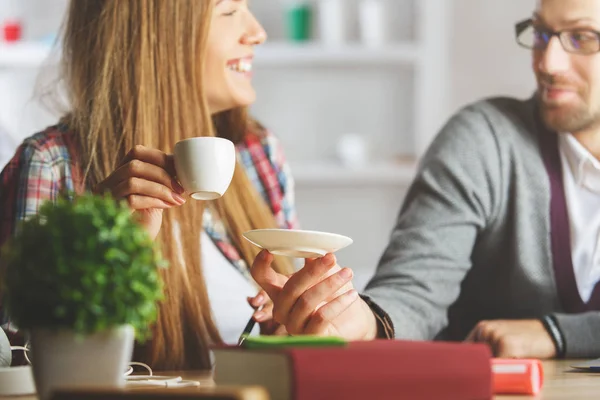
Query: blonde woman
[140, 76]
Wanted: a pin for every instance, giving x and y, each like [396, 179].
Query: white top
[228, 290]
[581, 176]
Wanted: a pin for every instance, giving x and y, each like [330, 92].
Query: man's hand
[319, 299]
[514, 338]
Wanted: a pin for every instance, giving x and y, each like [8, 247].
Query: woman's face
[228, 69]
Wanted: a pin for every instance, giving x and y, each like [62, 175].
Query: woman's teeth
[240, 66]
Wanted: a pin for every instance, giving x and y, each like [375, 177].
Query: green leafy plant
[82, 265]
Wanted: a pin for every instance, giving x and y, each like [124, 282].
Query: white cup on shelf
[372, 22]
[332, 21]
[352, 150]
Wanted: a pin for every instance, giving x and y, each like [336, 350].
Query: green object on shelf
[271, 342]
[299, 21]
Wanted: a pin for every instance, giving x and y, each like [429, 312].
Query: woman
[142, 75]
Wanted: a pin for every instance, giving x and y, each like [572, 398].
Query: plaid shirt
[43, 167]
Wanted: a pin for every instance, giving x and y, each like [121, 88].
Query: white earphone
[19, 381]
[14, 381]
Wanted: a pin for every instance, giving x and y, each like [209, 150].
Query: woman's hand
[145, 178]
[318, 300]
[263, 314]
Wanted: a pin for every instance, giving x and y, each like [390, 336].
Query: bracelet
[556, 335]
[385, 327]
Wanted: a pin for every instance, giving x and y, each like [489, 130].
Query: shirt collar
[584, 167]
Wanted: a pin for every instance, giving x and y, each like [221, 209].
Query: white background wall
[484, 60]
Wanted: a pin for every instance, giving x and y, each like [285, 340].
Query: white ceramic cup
[205, 166]
[332, 20]
[372, 17]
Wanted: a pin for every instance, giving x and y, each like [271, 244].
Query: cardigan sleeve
[453, 197]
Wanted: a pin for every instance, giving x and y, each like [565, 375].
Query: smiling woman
[234, 33]
[142, 75]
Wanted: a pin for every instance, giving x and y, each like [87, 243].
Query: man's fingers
[266, 277]
[311, 274]
[280, 331]
[489, 333]
[309, 301]
[480, 332]
[472, 336]
[321, 321]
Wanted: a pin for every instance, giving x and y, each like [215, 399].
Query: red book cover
[381, 369]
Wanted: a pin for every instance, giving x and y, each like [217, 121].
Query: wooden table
[207, 390]
[560, 382]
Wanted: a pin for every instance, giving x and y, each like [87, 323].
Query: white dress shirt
[581, 177]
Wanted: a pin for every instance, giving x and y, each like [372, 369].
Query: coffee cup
[205, 166]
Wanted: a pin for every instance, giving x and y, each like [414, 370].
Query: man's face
[568, 83]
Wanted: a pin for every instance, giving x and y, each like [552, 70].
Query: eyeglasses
[577, 41]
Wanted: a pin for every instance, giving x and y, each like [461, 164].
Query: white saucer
[297, 243]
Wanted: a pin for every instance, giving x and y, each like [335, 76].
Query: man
[498, 237]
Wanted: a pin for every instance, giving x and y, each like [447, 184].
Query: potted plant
[82, 279]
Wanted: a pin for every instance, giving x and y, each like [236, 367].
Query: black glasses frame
[521, 26]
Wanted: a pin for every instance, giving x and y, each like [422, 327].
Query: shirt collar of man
[584, 167]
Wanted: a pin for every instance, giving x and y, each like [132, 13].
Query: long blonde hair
[133, 74]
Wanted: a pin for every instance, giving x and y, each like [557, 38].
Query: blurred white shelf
[313, 53]
[34, 54]
[316, 173]
[24, 54]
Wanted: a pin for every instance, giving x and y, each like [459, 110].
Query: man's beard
[566, 117]
[576, 118]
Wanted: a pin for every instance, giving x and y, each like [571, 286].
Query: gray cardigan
[472, 241]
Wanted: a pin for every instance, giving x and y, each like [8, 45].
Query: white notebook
[590, 365]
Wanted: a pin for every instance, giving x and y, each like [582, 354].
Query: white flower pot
[61, 359]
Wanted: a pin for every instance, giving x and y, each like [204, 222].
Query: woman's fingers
[308, 303]
[143, 183]
[142, 187]
[141, 170]
[138, 202]
[264, 314]
[146, 164]
[260, 299]
[262, 305]
[151, 156]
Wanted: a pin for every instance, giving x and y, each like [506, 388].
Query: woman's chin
[245, 98]
[241, 100]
